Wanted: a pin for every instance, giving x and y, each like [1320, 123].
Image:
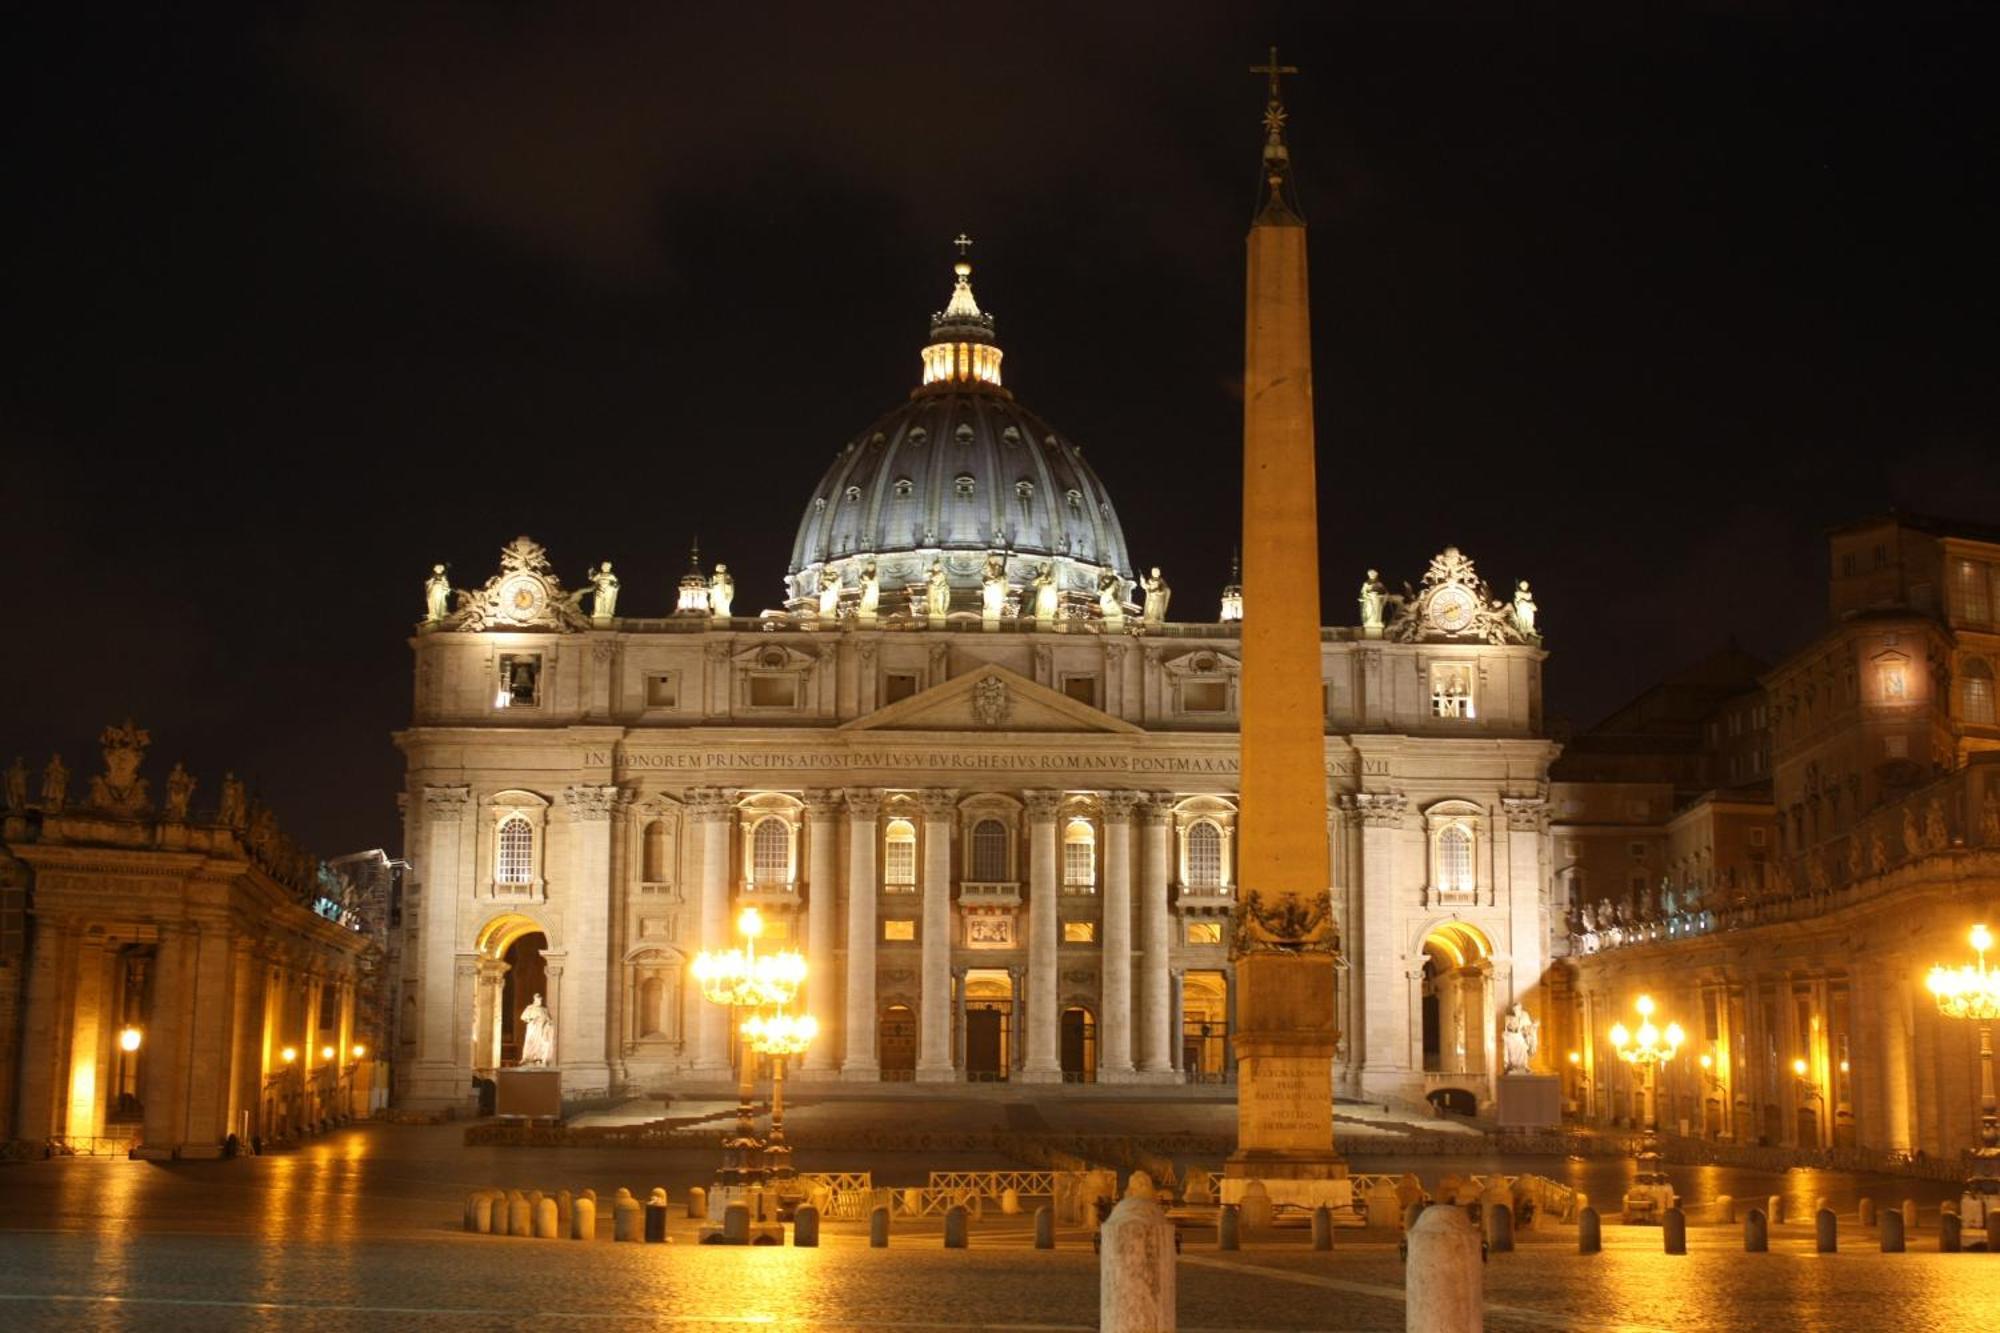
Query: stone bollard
[1909, 1214]
[1867, 1211]
[1891, 1228]
[1948, 1233]
[1322, 1228]
[1826, 1231]
[627, 1219]
[805, 1227]
[1674, 1231]
[1442, 1280]
[583, 1220]
[656, 1218]
[954, 1227]
[1756, 1233]
[698, 1202]
[1589, 1231]
[1499, 1219]
[1725, 1209]
[1228, 1228]
[1010, 1202]
[479, 1211]
[1255, 1207]
[736, 1223]
[1135, 1268]
[546, 1226]
[563, 1205]
[878, 1227]
[1411, 1212]
[520, 1214]
[1774, 1210]
[1045, 1228]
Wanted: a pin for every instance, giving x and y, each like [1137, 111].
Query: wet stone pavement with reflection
[361, 1229]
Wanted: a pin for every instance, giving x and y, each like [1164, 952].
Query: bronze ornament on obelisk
[1282, 935]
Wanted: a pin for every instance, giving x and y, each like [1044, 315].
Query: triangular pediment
[991, 699]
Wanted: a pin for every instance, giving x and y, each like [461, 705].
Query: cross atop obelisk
[1277, 157]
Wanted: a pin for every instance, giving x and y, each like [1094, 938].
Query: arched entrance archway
[897, 1047]
[510, 973]
[1078, 1030]
[1457, 1000]
[989, 1011]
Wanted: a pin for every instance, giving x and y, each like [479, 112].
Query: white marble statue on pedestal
[871, 594]
[721, 592]
[1110, 605]
[1047, 595]
[1519, 1037]
[604, 592]
[993, 589]
[829, 593]
[1524, 610]
[937, 593]
[1373, 592]
[1157, 593]
[538, 1038]
[437, 596]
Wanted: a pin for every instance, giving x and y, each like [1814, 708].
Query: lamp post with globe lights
[1972, 991]
[1647, 1049]
[742, 979]
[780, 1035]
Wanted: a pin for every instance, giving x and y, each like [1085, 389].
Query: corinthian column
[860, 1063]
[1114, 1042]
[713, 813]
[934, 1033]
[581, 1012]
[822, 837]
[442, 1077]
[1044, 1062]
[1155, 939]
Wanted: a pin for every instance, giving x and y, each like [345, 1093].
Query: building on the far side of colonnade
[972, 769]
[170, 978]
[1779, 855]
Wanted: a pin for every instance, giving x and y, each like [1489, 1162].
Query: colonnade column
[859, 1062]
[580, 1021]
[823, 848]
[1155, 938]
[934, 1064]
[442, 1074]
[207, 1042]
[1044, 1063]
[1114, 1041]
[1895, 1074]
[713, 814]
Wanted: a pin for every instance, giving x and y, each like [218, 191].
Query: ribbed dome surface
[960, 467]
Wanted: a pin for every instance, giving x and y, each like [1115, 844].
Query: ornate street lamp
[741, 979]
[1647, 1049]
[1974, 992]
[780, 1035]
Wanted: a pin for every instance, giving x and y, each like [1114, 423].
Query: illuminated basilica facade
[973, 770]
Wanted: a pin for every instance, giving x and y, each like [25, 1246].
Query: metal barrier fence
[991, 1184]
[79, 1145]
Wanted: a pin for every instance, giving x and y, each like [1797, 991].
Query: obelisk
[1284, 945]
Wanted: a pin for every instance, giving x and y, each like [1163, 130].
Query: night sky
[1634, 305]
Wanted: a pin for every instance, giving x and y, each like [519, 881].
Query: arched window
[989, 851]
[771, 852]
[1454, 859]
[515, 861]
[1978, 689]
[1204, 856]
[1079, 855]
[899, 855]
[654, 860]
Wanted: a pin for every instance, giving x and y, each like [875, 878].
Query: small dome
[959, 471]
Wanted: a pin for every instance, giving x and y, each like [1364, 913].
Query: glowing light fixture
[326, 1052]
[359, 1050]
[129, 1039]
[1974, 992]
[289, 1054]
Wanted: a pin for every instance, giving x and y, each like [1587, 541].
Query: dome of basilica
[958, 475]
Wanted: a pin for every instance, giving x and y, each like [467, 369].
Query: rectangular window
[897, 686]
[1971, 592]
[774, 691]
[1083, 689]
[520, 681]
[1451, 690]
[899, 863]
[899, 932]
[664, 690]
[1079, 932]
[1079, 863]
[1204, 932]
[1205, 696]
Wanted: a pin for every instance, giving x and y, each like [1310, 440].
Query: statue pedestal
[530, 1094]
[1528, 1101]
[1284, 1068]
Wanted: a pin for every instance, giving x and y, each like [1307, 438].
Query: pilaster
[822, 910]
[713, 815]
[1155, 938]
[1114, 1040]
[934, 1045]
[581, 1032]
[1044, 1058]
[859, 1062]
